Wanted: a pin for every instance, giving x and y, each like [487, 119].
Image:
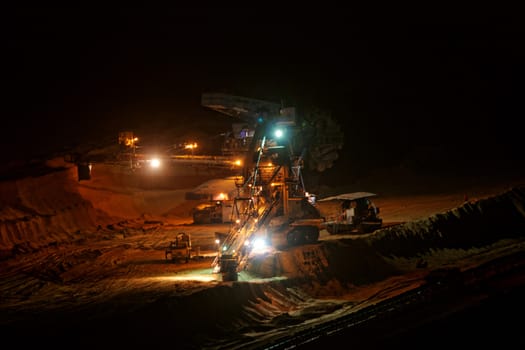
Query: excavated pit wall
[53, 207]
[45, 210]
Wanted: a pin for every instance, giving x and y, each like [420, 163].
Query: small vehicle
[180, 249]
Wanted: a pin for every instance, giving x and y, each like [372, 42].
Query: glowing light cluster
[220, 197]
[154, 163]
[279, 133]
[190, 145]
[259, 246]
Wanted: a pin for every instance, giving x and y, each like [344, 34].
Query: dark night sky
[400, 85]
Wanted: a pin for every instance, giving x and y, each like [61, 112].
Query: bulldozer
[179, 250]
[350, 213]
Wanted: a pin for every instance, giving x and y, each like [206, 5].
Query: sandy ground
[86, 260]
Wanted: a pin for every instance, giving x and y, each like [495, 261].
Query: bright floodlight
[155, 163]
[258, 244]
[279, 133]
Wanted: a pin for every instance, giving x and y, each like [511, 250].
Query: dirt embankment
[53, 207]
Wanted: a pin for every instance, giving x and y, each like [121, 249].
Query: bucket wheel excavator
[272, 209]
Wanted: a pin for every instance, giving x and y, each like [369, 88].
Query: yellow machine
[180, 249]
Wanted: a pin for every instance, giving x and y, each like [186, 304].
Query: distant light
[155, 163]
[279, 133]
[259, 243]
[221, 197]
[238, 162]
